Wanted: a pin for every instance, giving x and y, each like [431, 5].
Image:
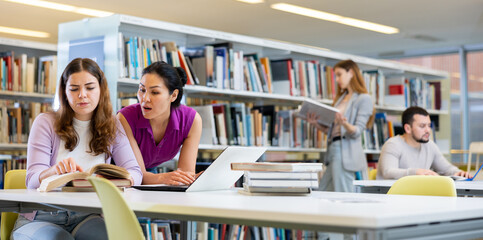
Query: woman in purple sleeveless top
[158, 126]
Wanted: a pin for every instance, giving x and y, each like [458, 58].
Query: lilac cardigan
[43, 145]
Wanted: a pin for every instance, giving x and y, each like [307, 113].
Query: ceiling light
[334, 18]
[252, 1]
[24, 32]
[63, 7]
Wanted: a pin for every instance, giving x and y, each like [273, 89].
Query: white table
[371, 216]
[463, 188]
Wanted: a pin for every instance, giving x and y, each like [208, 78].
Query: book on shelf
[240, 122]
[375, 81]
[282, 77]
[265, 62]
[208, 133]
[436, 95]
[47, 75]
[268, 114]
[276, 167]
[220, 123]
[108, 171]
[324, 113]
[7, 62]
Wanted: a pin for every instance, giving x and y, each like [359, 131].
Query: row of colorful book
[159, 229]
[406, 92]
[220, 66]
[154, 229]
[244, 232]
[16, 119]
[246, 125]
[21, 73]
[386, 126]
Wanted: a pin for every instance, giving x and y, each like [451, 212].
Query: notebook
[459, 178]
[218, 175]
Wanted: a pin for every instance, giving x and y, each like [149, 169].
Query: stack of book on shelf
[279, 178]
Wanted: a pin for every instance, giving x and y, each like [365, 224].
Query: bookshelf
[25, 56]
[111, 28]
[23, 95]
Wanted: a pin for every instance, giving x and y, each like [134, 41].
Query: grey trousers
[60, 225]
[336, 178]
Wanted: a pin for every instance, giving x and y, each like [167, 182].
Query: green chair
[14, 179]
[121, 222]
[424, 185]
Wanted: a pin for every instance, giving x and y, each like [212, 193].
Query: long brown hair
[102, 126]
[357, 84]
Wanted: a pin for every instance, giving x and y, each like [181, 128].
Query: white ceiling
[423, 24]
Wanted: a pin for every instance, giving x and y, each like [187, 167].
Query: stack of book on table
[279, 178]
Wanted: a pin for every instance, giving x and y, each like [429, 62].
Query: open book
[118, 175]
[324, 113]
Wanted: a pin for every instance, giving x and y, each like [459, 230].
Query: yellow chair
[373, 174]
[14, 179]
[121, 222]
[475, 148]
[424, 185]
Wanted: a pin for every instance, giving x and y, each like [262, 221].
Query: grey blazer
[358, 110]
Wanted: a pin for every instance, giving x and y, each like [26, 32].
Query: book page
[324, 113]
[109, 171]
[56, 181]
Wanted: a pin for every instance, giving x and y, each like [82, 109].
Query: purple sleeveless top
[180, 121]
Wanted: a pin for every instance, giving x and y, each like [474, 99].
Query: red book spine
[396, 89]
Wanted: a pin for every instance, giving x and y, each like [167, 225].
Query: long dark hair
[173, 78]
[102, 126]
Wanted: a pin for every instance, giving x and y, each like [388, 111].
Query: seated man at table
[413, 153]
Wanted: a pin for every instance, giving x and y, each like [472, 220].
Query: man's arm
[442, 165]
[389, 161]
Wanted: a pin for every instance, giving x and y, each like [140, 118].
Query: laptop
[459, 178]
[218, 175]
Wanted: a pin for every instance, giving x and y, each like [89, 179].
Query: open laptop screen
[218, 175]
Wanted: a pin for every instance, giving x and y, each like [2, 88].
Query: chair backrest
[424, 185]
[475, 148]
[14, 179]
[121, 222]
[373, 174]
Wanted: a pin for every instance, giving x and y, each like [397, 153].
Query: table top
[352, 210]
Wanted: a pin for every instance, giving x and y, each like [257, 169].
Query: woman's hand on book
[67, 165]
[178, 177]
[313, 119]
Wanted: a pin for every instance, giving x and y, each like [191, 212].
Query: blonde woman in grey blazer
[345, 154]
